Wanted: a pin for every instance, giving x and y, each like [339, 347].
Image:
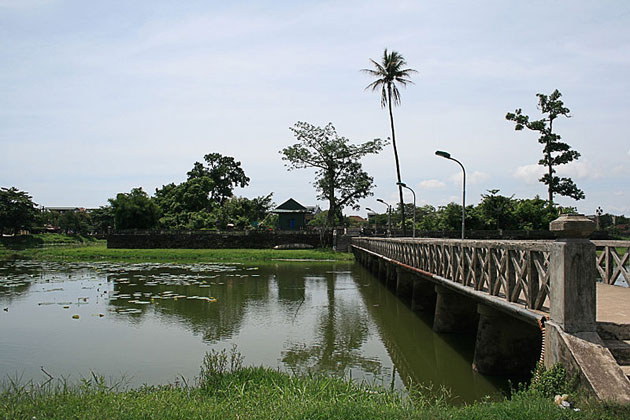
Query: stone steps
[620, 350]
[613, 331]
[626, 370]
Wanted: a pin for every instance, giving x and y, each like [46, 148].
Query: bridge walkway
[613, 322]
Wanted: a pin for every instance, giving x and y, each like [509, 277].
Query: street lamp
[389, 216]
[447, 155]
[402, 184]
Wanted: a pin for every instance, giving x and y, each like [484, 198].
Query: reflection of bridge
[421, 357]
[549, 285]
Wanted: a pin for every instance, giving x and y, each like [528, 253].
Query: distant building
[294, 216]
[65, 209]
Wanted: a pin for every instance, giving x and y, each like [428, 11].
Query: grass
[98, 251]
[261, 393]
[39, 240]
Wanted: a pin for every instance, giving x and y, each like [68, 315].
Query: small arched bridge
[524, 300]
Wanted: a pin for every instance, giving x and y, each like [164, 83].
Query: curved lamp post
[402, 184]
[447, 155]
[389, 216]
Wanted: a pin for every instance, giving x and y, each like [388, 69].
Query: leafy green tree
[102, 219]
[244, 213]
[497, 211]
[134, 210]
[76, 222]
[388, 73]
[340, 178]
[555, 152]
[17, 210]
[426, 218]
[534, 213]
[220, 175]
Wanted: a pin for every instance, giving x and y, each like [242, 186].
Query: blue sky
[99, 97]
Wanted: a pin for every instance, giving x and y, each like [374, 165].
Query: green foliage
[494, 212]
[134, 210]
[216, 364]
[219, 175]
[555, 152]
[76, 222]
[497, 211]
[97, 251]
[205, 200]
[551, 382]
[244, 213]
[260, 393]
[102, 219]
[17, 210]
[339, 177]
[388, 72]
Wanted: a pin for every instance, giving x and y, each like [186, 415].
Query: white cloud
[432, 184]
[476, 177]
[580, 170]
[529, 173]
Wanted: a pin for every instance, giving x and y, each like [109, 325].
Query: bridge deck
[613, 304]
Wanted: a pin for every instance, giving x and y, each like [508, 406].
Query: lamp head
[380, 201]
[443, 154]
[402, 184]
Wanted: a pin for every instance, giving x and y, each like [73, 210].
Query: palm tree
[389, 72]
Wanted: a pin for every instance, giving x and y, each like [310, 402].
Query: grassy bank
[21, 242]
[98, 251]
[259, 393]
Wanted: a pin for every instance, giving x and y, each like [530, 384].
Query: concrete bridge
[524, 300]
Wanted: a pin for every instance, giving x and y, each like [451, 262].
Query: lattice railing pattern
[613, 261]
[517, 271]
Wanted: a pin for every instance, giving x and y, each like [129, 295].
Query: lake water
[152, 323]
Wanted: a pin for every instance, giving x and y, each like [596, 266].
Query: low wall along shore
[215, 240]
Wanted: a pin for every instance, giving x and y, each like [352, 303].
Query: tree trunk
[332, 202]
[550, 169]
[400, 190]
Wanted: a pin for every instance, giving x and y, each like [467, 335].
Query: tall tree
[134, 210]
[340, 178]
[17, 210]
[555, 152]
[388, 73]
[225, 174]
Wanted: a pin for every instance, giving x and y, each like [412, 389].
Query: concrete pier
[505, 345]
[454, 313]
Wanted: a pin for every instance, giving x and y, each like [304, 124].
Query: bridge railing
[517, 271]
[613, 260]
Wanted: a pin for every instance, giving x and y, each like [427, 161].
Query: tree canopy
[219, 175]
[17, 210]
[555, 152]
[134, 210]
[339, 177]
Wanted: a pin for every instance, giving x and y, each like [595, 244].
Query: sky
[100, 97]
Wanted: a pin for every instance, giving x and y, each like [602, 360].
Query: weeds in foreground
[227, 390]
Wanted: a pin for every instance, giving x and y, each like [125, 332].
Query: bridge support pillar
[423, 296]
[382, 270]
[404, 284]
[505, 345]
[454, 313]
[390, 276]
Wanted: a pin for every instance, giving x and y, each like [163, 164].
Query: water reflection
[154, 322]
